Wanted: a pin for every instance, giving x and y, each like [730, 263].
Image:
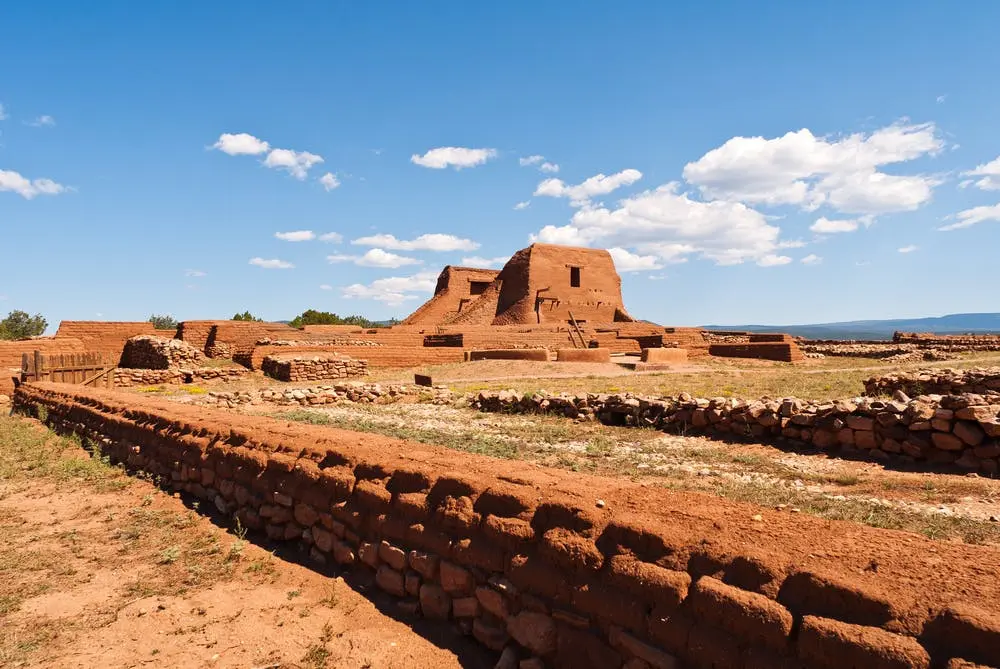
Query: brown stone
[534, 631]
[322, 539]
[390, 580]
[633, 646]
[492, 637]
[343, 553]
[434, 601]
[394, 557]
[947, 442]
[305, 515]
[368, 554]
[425, 564]
[465, 607]
[970, 433]
[493, 601]
[455, 580]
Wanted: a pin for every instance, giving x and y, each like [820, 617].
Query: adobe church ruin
[543, 284]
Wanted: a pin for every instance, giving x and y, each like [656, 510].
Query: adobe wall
[11, 352]
[787, 352]
[569, 569]
[583, 355]
[453, 295]
[105, 337]
[331, 329]
[224, 339]
[533, 354]
[535, 287]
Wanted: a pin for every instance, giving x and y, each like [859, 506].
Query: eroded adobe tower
[544, 284]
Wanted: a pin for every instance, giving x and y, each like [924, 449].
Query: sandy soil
[81, 590]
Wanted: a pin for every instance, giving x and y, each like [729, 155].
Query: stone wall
[557, 569]
[967, 342]
[377, 357]
[126, 378]
[149, 352]
[312, 368]
[979, 380]
[958, 430]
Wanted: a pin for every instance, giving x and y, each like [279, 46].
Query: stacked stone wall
[962, 431]
[149, 352]
[127, 378]
[979, 380]
[312, 368]
[555, 569]
[377, 357]
[967, 342]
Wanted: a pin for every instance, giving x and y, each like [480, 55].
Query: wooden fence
[91, 369]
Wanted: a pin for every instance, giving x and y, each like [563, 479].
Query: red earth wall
[530, 556]
[105, 337]
[11, 352]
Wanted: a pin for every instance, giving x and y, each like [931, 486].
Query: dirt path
[100, 570]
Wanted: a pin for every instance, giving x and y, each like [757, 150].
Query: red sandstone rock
[434, 601]
[534, 631]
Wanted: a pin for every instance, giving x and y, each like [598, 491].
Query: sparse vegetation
[163, 322]
[313, 317]
[245, 316]
[19, 325]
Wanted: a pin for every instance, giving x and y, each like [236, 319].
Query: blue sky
[749, 162]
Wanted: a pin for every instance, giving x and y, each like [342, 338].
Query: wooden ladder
[576, 326]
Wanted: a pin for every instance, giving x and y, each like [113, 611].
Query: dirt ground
[100, 570]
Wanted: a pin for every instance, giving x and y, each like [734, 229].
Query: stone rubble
[150, 352]
[944, 430]
[979, 380]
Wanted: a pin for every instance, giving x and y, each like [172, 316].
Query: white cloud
[990, 173]
[478, 261]
[772, 260]
[802, 169]
[811, 259]
[240, 144]
[331, 237]
[548, 168]
[671, 226]
[28, 188]
[376, 258]
[325, 286]
[394, 290]
[274, 263]
[296, 236]
[970, 217]
[531, 160]
[329, 181]
[599, 184]
[296, 163]
[197, 273]
[543, 165]
[453, 156]
[42, 121]
[427, 242]
[941, 98]
[626, 261]
[908, 249]
[522, 205]
[657, 277]
[825, 226]
[3, 113]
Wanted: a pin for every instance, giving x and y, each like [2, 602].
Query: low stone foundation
[363, 393]
[979, 380]
[125, 378]
[556, 569]
[312, 368]
[958, 430]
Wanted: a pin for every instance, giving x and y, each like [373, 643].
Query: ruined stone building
[543, 284]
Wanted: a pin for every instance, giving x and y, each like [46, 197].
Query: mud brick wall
[583, 355]
[11, 352]
[979, 380]
[105, 337]
[314, 368]
[561, 569]
[534, 354]
[958, 430]
[126, 378]
[787, 352]
[148, 352]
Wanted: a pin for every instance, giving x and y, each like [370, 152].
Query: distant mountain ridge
[951, 324]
